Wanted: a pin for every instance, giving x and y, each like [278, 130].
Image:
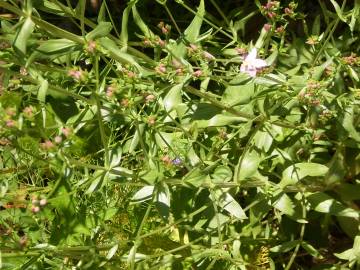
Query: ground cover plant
[179, 134]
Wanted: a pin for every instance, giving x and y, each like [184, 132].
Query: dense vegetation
[179, 134]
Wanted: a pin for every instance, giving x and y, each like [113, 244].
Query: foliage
[133, 142]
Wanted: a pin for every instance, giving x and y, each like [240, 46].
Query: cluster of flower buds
[28, 112]
[165, 28]
[325, 114]
[351, 60]
[91, 46]
[270, 9]
[312, 40]
[198, 53]
[37, 204]
[49, 145]
[10, 117]
[154, 42]
[77, 74]
[168, 161]
[311, 94]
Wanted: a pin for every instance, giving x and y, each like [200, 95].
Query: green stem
[219, 29]
[220, 12]
[302, 232]
[99, 116]
[236, 178]
[216, 210]
[138, 235]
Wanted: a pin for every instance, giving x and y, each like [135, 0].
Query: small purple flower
[177, 161]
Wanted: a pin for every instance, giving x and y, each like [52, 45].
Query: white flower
[251, 64]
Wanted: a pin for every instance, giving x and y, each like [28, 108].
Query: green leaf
[323, 203]
[191, 33]
[115, 156]
[56, 46]
[44, 85]
[285, 247]
[238, 92]
[162, 200]
[122, 57]
[193, 30]
[222, 174]
[144, 194]
[338, 10]
[98, 178]
[173, 97]
[347, 122]
[355, 15]
[21, 40]
[196, 177]
[284, 204]
[263, 140]
[316, 26]
[112, 252]
[101, 30]
[124, 36]
[220, 120]
[140, 23]
[249, 165]
[227, 202]
[311, 250]
[298, 171]
[135, 140]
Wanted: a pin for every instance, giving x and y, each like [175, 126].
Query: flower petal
[252, 55]
[259, 63]
[251, 72]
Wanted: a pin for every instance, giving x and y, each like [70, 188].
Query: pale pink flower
[58, 139]
[197, 73]
[208, 56]
[251, 64]
[43, 202]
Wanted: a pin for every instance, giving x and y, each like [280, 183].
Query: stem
[220, 12]
[219, 29]
[213, 199]
[99, 116]
[138, 235]
[302, 232]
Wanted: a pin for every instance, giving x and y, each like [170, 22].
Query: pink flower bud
[149, 98]
[267, 27]
[10, 123]
[58, 139]
[76, 74]
[35, 209]
[161, 42]
[179, 71]
[208, 56]
[28, 111]
[164, 30]
[160, 68]
[43, 202]
[91, 46]
[130, 74]
[241, 51]
[280, 29]
[147, 42]
[66, 131]
[151, 120]
[288, 11]
[47, 145]
[197, 73]
[271, 15]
